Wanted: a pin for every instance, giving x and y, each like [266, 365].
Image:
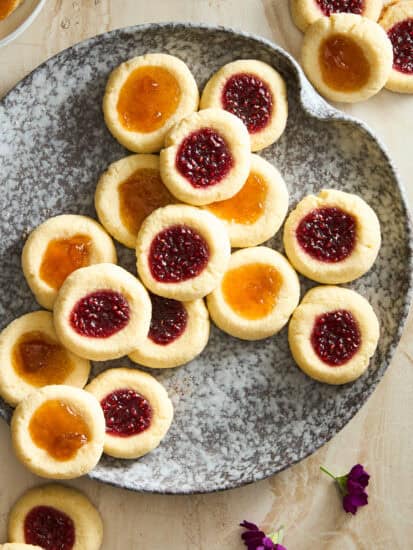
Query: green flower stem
[324, 469]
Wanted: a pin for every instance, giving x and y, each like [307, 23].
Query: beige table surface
[380, 436]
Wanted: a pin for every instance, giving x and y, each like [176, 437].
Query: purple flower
[254, 539]
[353, 487]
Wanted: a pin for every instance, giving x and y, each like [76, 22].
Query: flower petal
[252, 537]
[348, 504]
[359, 474]
[352, 502]
[249, 525]
[354, 487]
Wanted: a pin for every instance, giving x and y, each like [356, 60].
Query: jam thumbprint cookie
[7, 7]
[59, 246]
[306, 12]
[137, 409]
[145, 97]
[58, 432]
[18, 546]
[206, 157]
[102, 312]
[182, 252]
[347, 57]
[31, 357]
[179, 332]
[333, 237]
[127, 192]
[255, 93]
[333, 334]
[257, 211]
[56, 517]
[257, 294]
[397, 21]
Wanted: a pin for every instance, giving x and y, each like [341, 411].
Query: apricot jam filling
[139, 195]
[247, 206]
[62, 257]
[344, 65]
[49, 528]
[6, 8]
[148, 98]
[58, 429]
[40, 360]
[252, 290]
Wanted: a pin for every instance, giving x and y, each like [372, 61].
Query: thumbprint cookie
[55, 517]
[31, 357]
[255, 93]
[206, 157]
[59, 246]
[333, 334]
[145, 96]
[257, 294]
[137, 409]
[333, 237]
[182, 252]
[58, 432]
[102, 312]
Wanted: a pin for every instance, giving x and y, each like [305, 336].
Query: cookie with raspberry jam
[254, 92]
[333, 334]
[306, 12]
[397, 21]
[137, 410]
[333, 237]
[54, 517]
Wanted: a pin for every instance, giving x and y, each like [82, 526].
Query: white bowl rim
[26, 23]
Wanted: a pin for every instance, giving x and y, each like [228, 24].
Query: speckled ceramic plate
[243, 409]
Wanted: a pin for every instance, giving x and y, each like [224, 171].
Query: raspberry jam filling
[126, 413]
[178, 253]
[58, 429]
[49, 528]
[247, 206]
[252, 290]
[40, 360]
[100, 314]
[336, 337]
[327, 234]
[341, 6]
[169, 320]
[401, 36]
[139, 195]
[204, 158]
[63, 256]
[344, 66]
[249, 98]
[149, 97]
